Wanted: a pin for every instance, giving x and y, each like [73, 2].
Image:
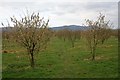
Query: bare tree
[32, 33]
[115, 33]
[106, 34]
[72, 36]
[96, 33]
[69, 35]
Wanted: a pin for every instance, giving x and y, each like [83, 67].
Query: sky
[61, 12]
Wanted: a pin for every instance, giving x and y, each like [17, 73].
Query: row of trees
[69, 35]
[99, 31]
[32, 32]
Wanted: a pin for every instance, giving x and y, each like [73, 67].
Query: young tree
[107, 34]
[7, 36]
[72, 36]
[69, 35]
[32, 33]
[115, 33]
[96, 33]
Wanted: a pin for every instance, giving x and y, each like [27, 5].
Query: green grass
[60, 60]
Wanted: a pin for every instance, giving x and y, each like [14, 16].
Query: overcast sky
[61, 12]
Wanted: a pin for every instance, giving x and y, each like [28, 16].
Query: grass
[60, 60]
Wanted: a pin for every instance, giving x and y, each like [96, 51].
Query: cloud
[60, 0]
[101, 5]
[62, 13]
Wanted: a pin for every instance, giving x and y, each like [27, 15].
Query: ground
[61, 60]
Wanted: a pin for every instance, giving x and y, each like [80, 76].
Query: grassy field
[60, 60]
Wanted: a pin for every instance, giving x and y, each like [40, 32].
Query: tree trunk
[73, 44]
[94, 47]
[64, 39]
[103, 41]
[93, 53]
[31, 58]
[93, 56]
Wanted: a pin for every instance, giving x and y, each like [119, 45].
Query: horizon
[63, 26]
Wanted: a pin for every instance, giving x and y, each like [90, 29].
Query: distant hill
[6, 29]
[70, 27]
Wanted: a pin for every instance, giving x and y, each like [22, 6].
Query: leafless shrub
[31, 32]
[99, 31]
